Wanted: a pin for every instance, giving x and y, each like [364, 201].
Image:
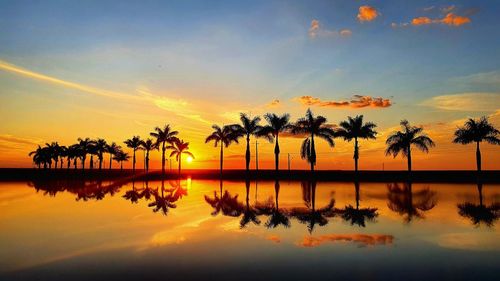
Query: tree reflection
[480, 213]
[132, 195]
[356, 215]
[250, 213]
[226, 204]
[310, 215]
[409, 204]
[269, 208]
[162, 201]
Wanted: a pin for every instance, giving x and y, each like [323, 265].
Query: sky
[115, 69]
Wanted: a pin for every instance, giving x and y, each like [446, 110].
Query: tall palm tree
[120, 157]
[164, 137]
[85, 146]
[100, 148]
[312, 126]
[477, 131]
[353, 128]
[135, 144]
[112, 149]
[225, 136]
[148, 145]
[276, 125]
[249, 126]
[179, 147]
[401, 141]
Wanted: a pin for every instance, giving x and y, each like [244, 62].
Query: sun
[189, 159]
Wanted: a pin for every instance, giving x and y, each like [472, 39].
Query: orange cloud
[360, 239]
[275, 102]
[357, 101]
[274, 238]
[367, 13]
[448, 9]
[450, 19]
[314, 28]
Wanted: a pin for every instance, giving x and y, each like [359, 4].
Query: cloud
[367, 13]
[428, 9]
[450, 19]
[274, 238]
[19, 140]
[357, 101]
[491, 78]
[274, 103]
[465, 102]
[360, 239]
[448, 9]
[316, 30]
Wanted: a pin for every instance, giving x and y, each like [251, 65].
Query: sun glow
[189, 159]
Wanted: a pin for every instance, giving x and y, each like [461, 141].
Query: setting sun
[189, 159]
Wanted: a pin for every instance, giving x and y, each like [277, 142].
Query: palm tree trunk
[313, 153]
[478, 157]
[163, 158]
[409, 159]
[69, 162]
[121, 165]
[276, 154]
[247, 154]
[356, 154]
[100, 162]
[83, 162]
[133, 164]
[110, 160]
[180, 160]
[91, 162]
[221, 156]
[147, 161]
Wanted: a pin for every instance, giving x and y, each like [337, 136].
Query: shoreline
[454, 176]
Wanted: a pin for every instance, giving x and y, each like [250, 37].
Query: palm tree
[356, 215]
[121, 156]
[73, 153]
[225, 136]
[179, 147]
[353, 128]
[148, 145]
[85, 147]
[312, 126]
[112, 149]
[64, 153]
[401, 141]
[477, 131]
[249, 126]
[164, 136]
[409, 204]
[40, 157]
[54, 151]
[100, 148]
[276, 125]
[135, 144]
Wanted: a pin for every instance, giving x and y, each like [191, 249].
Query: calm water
[204, 230]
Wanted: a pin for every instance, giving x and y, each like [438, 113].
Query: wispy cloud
[316, 30]
[359, 239]
[357, 101]
[482, 102]
[450, 19]
[274, 103]
[367, 13]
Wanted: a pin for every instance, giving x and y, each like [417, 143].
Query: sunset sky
[111, 69]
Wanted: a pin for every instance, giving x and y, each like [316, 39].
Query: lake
[248, 230]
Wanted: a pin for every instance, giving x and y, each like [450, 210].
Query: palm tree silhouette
[310, 215]
[179, 147]
[401, 141]
[249, 126]
[40, 156]
[64, 153]
[225, 136]
[353, 128]
[409, 204]
[120, 157]
[135, 144]
[250, 213]
[477, 131]
[112, 149]
[480, 213]
[161, 201]
[276, 125]
[132, 195]
[356, 215]
[312, 126]
[277, 215]
[54, 150]
[148, 145]
[100, 148]
[85, 146]
[164, 136]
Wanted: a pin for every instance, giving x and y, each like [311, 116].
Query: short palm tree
[40, 156]
[100, 148]
[276, 125]
[225, 136]
[353, 128]
[120, 157]
[55, 151]
[164, 137]
[112, 149]
[85, 146]
[178, 148]
[312, 127]
[477, 131]
[135, 144]
[74, 153]
[148, 145]
[401, 141]
[249, 126]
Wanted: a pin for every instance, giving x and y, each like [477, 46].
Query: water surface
[206, 230]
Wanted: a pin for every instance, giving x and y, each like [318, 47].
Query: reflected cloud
[362, 240]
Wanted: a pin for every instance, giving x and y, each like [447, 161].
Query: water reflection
[358, 216]
[409, 204]
[250, 213]
[480, 213]
[165, 199]
[277, 216]
[225, 203]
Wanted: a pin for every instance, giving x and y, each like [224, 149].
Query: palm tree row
[310, 127]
